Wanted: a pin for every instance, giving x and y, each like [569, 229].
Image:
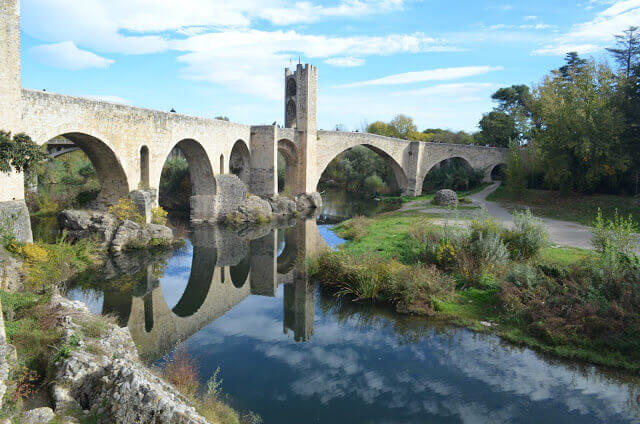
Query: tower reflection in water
[226, 267]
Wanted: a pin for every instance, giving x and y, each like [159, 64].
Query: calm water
[294, 354]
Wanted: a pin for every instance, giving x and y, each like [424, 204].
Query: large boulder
[100, 226]
[281, 205]
[131, 235]
[446, 197]
[306, 202]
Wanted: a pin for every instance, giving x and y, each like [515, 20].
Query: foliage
[126, 209]
[527, 238]
[627, 52]
[353, 229]
[158, 216]
[175, 184]
[580, 128]
[453, 174]
[614, 236]
[18, 153]
[353, 168]
[498, 129]
[515, 172]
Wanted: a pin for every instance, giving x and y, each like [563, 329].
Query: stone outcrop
[306, 202]
[446, 197]
[281, 205]
[10, 272]
[110, 381]
[111, 233]
[131, 235]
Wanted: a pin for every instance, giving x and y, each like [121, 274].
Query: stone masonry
[128, 146]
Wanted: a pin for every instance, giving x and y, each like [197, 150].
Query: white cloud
[441, 74]
[597, 33]
[259, 56]
[345, 62]
[66, 55]
[530, 18]
[465, 92]
[307, 12]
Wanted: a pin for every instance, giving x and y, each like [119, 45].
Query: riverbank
[569, 302]
[60, 363]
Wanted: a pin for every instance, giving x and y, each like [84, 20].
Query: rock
[37, 416]
[10, 272]
[281, 205]
[117, 387]
[83, 224]
[131, 235]
[307, 202]
[446, 197]
[255, 207]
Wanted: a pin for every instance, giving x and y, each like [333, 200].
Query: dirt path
[562, 233]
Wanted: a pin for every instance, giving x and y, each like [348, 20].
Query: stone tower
[300, 96]
[12, 185]
[10, 91]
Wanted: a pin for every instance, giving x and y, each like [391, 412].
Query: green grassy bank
[573, 303]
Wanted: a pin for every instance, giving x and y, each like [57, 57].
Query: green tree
[515, 174]
[381, 128]
[403, 126]
[573, 66]
[498, 128]
[627, 50]
[581, 125]
[19, 152]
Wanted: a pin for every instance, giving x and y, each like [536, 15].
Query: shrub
[523, 275]
[182, 371]
[158, 216]
[528, 236]
[485, 226]
[481, 254]
[127, 209]
[354, 228]
[614, 236]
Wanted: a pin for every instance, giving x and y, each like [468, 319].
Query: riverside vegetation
[569, 302]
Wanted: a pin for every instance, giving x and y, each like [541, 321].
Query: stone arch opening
[291, 114]
[498, 173]
[240, 272]
[291, 87]
[370, 175]
[239, 161]
[203, 266]
[455, 173]
[187, 173]
[144, 167]
[287, 166]
[288, 257]
[221, 164]
[110, 184]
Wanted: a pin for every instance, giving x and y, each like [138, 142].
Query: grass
[385, 263]
[429, 197]
[581, 209]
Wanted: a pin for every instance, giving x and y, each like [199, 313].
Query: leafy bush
[175, 184]
[615, 235]
[528, 236]
[126, 209]
[480, 255]
[158, 216]
[373, 184]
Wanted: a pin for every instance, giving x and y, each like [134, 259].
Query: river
[293, 354]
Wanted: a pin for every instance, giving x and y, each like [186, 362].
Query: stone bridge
[128, 146]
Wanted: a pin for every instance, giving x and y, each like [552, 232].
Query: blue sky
[437, 61]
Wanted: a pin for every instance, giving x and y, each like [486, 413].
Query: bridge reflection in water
[226, 268]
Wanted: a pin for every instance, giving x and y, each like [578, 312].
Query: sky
[437, 61]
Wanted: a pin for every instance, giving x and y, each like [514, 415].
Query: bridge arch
[109, 170]
[399, 182]
[240, 161]
[144, 167]
[203, 182]
[289, 152]
[240, 272]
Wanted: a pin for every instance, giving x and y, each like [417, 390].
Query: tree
[18, 153]
[627, 52]
[222, 118]
[381, 128]
[515, 101]
[581, 125]
[573, 65]
[404, 126]
[516, 176]
[498, 128]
